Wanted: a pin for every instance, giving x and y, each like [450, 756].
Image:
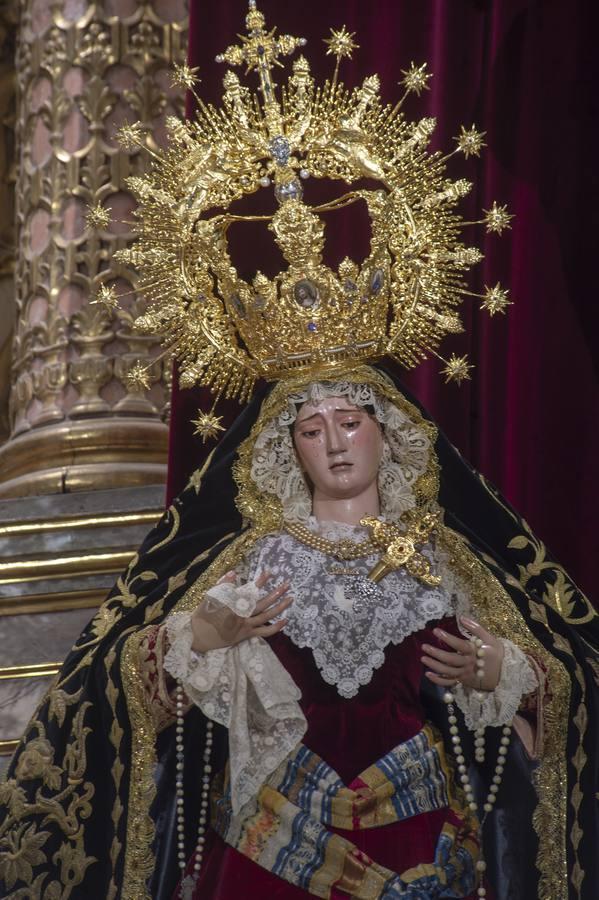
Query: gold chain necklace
[343, 549]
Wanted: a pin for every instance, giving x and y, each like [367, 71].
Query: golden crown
[400, 301]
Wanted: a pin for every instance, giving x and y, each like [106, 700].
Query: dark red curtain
[526, 72]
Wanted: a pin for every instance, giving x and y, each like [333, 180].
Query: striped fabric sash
[285, 829]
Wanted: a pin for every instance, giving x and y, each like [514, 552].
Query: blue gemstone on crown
[377, 281]
[312, 326]
[280, 150]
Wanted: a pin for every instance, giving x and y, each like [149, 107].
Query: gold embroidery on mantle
[174, 513]
[496, 611]
[117, 769]
[63, 798]
[560, 593]
[578, 760]
[139, 859]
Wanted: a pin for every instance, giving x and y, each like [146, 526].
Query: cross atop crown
[261, 50]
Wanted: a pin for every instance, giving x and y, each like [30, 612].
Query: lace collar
[345, 619]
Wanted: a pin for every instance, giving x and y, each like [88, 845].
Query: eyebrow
[319, 415]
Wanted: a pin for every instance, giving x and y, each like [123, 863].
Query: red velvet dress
[350, 735]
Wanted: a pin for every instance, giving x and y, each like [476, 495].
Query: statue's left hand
[458, 663]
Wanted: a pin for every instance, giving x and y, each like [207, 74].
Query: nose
[334, 438]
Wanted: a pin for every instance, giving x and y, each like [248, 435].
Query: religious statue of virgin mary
[336, 667]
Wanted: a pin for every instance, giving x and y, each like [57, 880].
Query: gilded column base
[89, 454]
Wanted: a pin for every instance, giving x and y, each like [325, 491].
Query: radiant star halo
[309, 319]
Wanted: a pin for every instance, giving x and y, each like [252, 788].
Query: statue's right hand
[217, 628]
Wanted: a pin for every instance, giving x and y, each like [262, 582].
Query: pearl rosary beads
[479, 734]
[464, 778]
[188, 883]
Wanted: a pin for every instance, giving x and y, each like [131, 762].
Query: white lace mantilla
[346, 620]
[245, 688]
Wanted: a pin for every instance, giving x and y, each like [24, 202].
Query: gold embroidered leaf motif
[538, 612]
[147, 576]
[126, 596]
[36, 761]
[53, 890]
[104, 620]
[112, 692]
[73, 862]
[13, 798]
[59, 700]
[20, 850]
[177, 581]
[118, 769]
[75, 759]
[561, 595]
[154, 610]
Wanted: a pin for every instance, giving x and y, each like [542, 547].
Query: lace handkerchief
[245, 688]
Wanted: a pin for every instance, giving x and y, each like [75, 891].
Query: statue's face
[339, 447]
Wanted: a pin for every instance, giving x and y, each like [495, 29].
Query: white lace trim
[245, 688]
[489, 709]
[346, 620]
[406, 449]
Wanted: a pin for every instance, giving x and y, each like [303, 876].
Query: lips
[341, 465]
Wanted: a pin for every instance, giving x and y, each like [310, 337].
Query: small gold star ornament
[138, 377]
[415, 78]
[495, 300]
[130, 136]
[457, 369]
[107, 296]
[341, 43]
[470, 141]
[98, 216]
[497, 218]
[184, 76]
[207, 425]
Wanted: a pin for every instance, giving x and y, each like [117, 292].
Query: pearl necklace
[188, 883]
[343, 549]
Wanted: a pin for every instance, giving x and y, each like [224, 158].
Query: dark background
[527, 73]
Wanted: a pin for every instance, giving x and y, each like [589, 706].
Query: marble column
[86, 449]
[83, 69]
